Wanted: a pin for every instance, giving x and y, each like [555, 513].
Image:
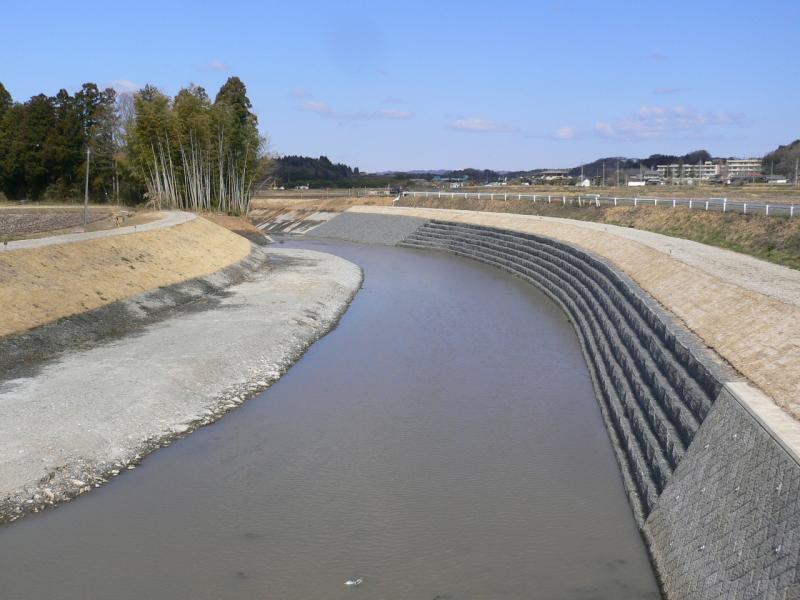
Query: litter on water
[354, 582]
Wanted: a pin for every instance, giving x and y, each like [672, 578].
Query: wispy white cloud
[300, 93]
[316, 106]
[565, 132]
[664, 91]
[393, 113]
[124, 86]
[217, 65]
[478, 125]
[324, 109]
[653, 122]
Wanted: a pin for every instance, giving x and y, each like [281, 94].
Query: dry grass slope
[38, 286]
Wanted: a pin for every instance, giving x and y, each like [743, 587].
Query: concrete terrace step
[663, 384]
[670, 438]
[627, 296]
[677, 377]
[631, 305]
[647, 368]
[643, 372]
[642, 461]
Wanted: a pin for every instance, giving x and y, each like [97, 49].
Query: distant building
[553, 175]
[742, 167]
[584, 183]
[646, 178]
[706, 170]
[731, 168]
[777, 180]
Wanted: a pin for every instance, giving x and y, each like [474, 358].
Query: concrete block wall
[713, 491]
[728, 523]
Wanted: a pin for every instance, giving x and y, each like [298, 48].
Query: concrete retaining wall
[712, 488]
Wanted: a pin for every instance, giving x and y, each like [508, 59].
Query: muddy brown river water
[443, 442]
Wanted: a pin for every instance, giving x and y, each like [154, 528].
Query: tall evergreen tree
[64, 145]
[5, 100]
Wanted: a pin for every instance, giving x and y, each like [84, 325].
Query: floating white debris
[354, 582]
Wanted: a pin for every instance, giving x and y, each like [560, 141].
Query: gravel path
[169, 219]
[86, 416]
[19, 222]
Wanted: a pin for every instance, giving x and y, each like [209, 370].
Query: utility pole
[796, 162]
[86, 190]
[604, 174]
[617, 173]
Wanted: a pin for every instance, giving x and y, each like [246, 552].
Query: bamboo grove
[186, 152]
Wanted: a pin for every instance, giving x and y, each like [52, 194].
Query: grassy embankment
[775, 239]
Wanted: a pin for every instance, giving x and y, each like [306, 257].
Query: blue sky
[411, 85]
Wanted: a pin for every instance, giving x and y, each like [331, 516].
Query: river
[443, 442]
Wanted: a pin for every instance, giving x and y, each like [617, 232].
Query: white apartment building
[742, 166]
[734, 167]
[706, 170]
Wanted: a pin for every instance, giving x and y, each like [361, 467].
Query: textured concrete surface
[368, 229]
[728, 524]
[758, 333]
[85, 416]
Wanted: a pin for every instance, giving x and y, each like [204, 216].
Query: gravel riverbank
[86, 416]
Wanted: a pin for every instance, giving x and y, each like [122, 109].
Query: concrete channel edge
[711, 465]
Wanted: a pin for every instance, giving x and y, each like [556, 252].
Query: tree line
[183, 152]
[314, 172]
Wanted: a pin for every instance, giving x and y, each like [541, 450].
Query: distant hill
[782, 160]
[292, 171]
[595, 168]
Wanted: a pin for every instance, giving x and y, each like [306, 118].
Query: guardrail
[707, 204]
[317, 193]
